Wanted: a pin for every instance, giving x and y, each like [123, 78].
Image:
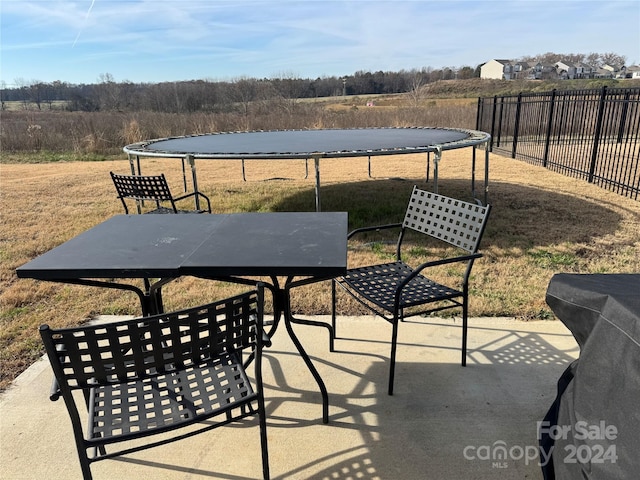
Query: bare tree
[3, 88]
[613, 59]
[37, 91]
[465, 73]
[23, 90]
[417, 90]
[594, 59]
[107, 92]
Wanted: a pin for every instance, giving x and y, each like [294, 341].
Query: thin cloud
[85, 20]
[166, 40]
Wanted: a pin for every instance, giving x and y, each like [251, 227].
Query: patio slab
[443, 421]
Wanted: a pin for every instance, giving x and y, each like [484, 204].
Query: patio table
[302, 247]
[593, 427]
[313, 144]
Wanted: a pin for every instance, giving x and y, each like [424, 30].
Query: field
[542, 223]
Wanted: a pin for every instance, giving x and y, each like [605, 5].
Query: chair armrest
[373, 228]
[193, 194]
[432, 263]
[435, 263]
[444, 261]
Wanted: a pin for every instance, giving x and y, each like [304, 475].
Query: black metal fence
[589, 134]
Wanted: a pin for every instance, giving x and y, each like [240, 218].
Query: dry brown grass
[541, 223]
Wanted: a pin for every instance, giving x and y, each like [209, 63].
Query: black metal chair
[396, 290]
[157, 374]
[153, 188]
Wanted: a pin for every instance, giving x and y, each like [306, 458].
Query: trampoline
[313, 144]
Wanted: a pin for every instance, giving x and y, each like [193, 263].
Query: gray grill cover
[598, 403]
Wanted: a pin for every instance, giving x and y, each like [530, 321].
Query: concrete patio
[443, 421]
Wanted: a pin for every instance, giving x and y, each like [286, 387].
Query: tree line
[236, 95]
[211, 95]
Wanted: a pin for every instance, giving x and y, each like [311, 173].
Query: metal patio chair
[159, 374]
[396, 290]
[152, 188]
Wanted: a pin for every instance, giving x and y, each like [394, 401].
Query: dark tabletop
[248, 244]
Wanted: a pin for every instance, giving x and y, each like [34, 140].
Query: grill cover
[597, 411]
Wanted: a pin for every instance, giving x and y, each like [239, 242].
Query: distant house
[617, 71]
[565, 70]
[602, 73]
[512, 70]
[612, 68]
[522, 70]
[633, 71]
[584, 71]
[497, 70]
[544, 71]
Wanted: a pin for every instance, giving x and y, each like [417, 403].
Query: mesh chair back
[148, 347]
[453, 221]
[139, 187]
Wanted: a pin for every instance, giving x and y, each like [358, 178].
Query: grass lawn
[542, 223]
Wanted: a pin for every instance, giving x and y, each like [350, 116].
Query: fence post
[500, 115]
[623, 116]
[596, 135]
[547, 142]
[493, 123]
[516, 126]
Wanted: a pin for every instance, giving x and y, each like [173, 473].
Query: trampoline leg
[473, 173]
[426, 180]
[436, 161]
[316, 161]
[191, 160]
[486, 174]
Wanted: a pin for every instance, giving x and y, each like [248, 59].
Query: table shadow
[443, 421]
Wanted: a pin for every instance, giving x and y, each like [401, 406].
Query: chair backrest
[453, 221]
[147, 347]
[143, 187]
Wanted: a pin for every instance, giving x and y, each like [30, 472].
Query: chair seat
[170, 400]
[379, 283]
[166, 210]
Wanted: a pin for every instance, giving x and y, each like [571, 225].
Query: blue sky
[169, 40]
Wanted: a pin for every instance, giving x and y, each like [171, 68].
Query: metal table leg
[288, 320]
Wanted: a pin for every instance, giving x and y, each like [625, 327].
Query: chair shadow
[435, 425]
[439, 409]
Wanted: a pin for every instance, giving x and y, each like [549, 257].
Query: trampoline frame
[474, 138]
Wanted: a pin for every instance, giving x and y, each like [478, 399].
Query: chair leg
[84, 465]
[333, 314]
[392, 356]
[464, 331]
[263, 440]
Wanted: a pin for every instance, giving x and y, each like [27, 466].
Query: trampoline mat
[301, 143]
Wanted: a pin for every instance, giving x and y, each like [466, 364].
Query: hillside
[488, 88]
